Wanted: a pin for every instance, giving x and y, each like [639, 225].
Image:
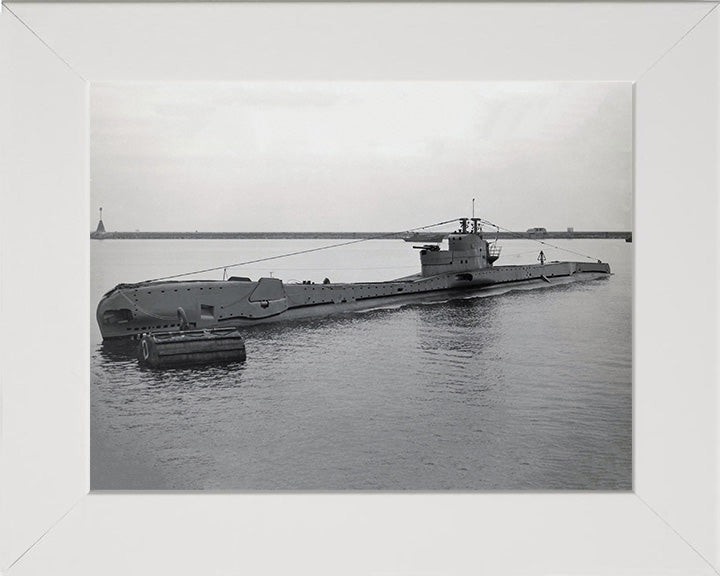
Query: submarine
[468, 263]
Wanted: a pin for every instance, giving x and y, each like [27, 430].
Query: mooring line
[524, 237]
[215, 268]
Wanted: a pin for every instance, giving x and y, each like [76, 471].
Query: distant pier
[563, 235]
[410, 237]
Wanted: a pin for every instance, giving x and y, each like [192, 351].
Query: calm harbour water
[511, 391]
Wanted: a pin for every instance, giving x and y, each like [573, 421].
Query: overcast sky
[338, 156]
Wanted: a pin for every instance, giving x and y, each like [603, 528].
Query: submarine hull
[130, 310]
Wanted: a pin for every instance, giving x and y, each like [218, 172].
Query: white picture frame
[50, 523]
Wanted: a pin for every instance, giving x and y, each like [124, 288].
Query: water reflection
[119, 350]
[225, 375]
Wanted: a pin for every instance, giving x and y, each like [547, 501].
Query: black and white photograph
[361, 286]
[369, 288]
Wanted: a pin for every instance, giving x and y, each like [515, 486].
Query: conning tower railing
[493, 252]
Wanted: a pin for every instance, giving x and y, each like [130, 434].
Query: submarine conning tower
[467, 251]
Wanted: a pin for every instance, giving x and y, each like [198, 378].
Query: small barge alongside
[468, 263]
[186, 347]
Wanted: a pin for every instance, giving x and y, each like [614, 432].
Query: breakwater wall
[410, 237]
[243, 235]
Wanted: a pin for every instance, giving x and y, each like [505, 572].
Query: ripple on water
[518, 390]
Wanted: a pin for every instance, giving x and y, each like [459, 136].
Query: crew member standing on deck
[541, 258]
